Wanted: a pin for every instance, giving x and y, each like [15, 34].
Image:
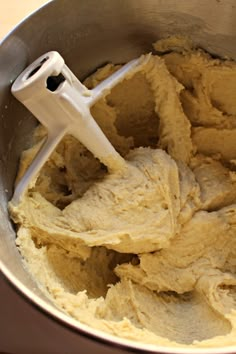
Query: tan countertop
[13, 11]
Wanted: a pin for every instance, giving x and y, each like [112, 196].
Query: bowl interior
[88, 36]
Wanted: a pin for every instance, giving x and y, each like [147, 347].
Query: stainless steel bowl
[89, 33]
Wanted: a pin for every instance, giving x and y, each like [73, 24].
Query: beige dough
[149, 253]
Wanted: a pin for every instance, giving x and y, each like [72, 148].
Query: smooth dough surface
[147, 253]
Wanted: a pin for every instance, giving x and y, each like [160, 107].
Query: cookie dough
[148, 253]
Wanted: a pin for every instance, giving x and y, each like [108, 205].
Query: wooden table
[13, 11]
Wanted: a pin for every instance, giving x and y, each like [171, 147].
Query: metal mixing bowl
[89, 33]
